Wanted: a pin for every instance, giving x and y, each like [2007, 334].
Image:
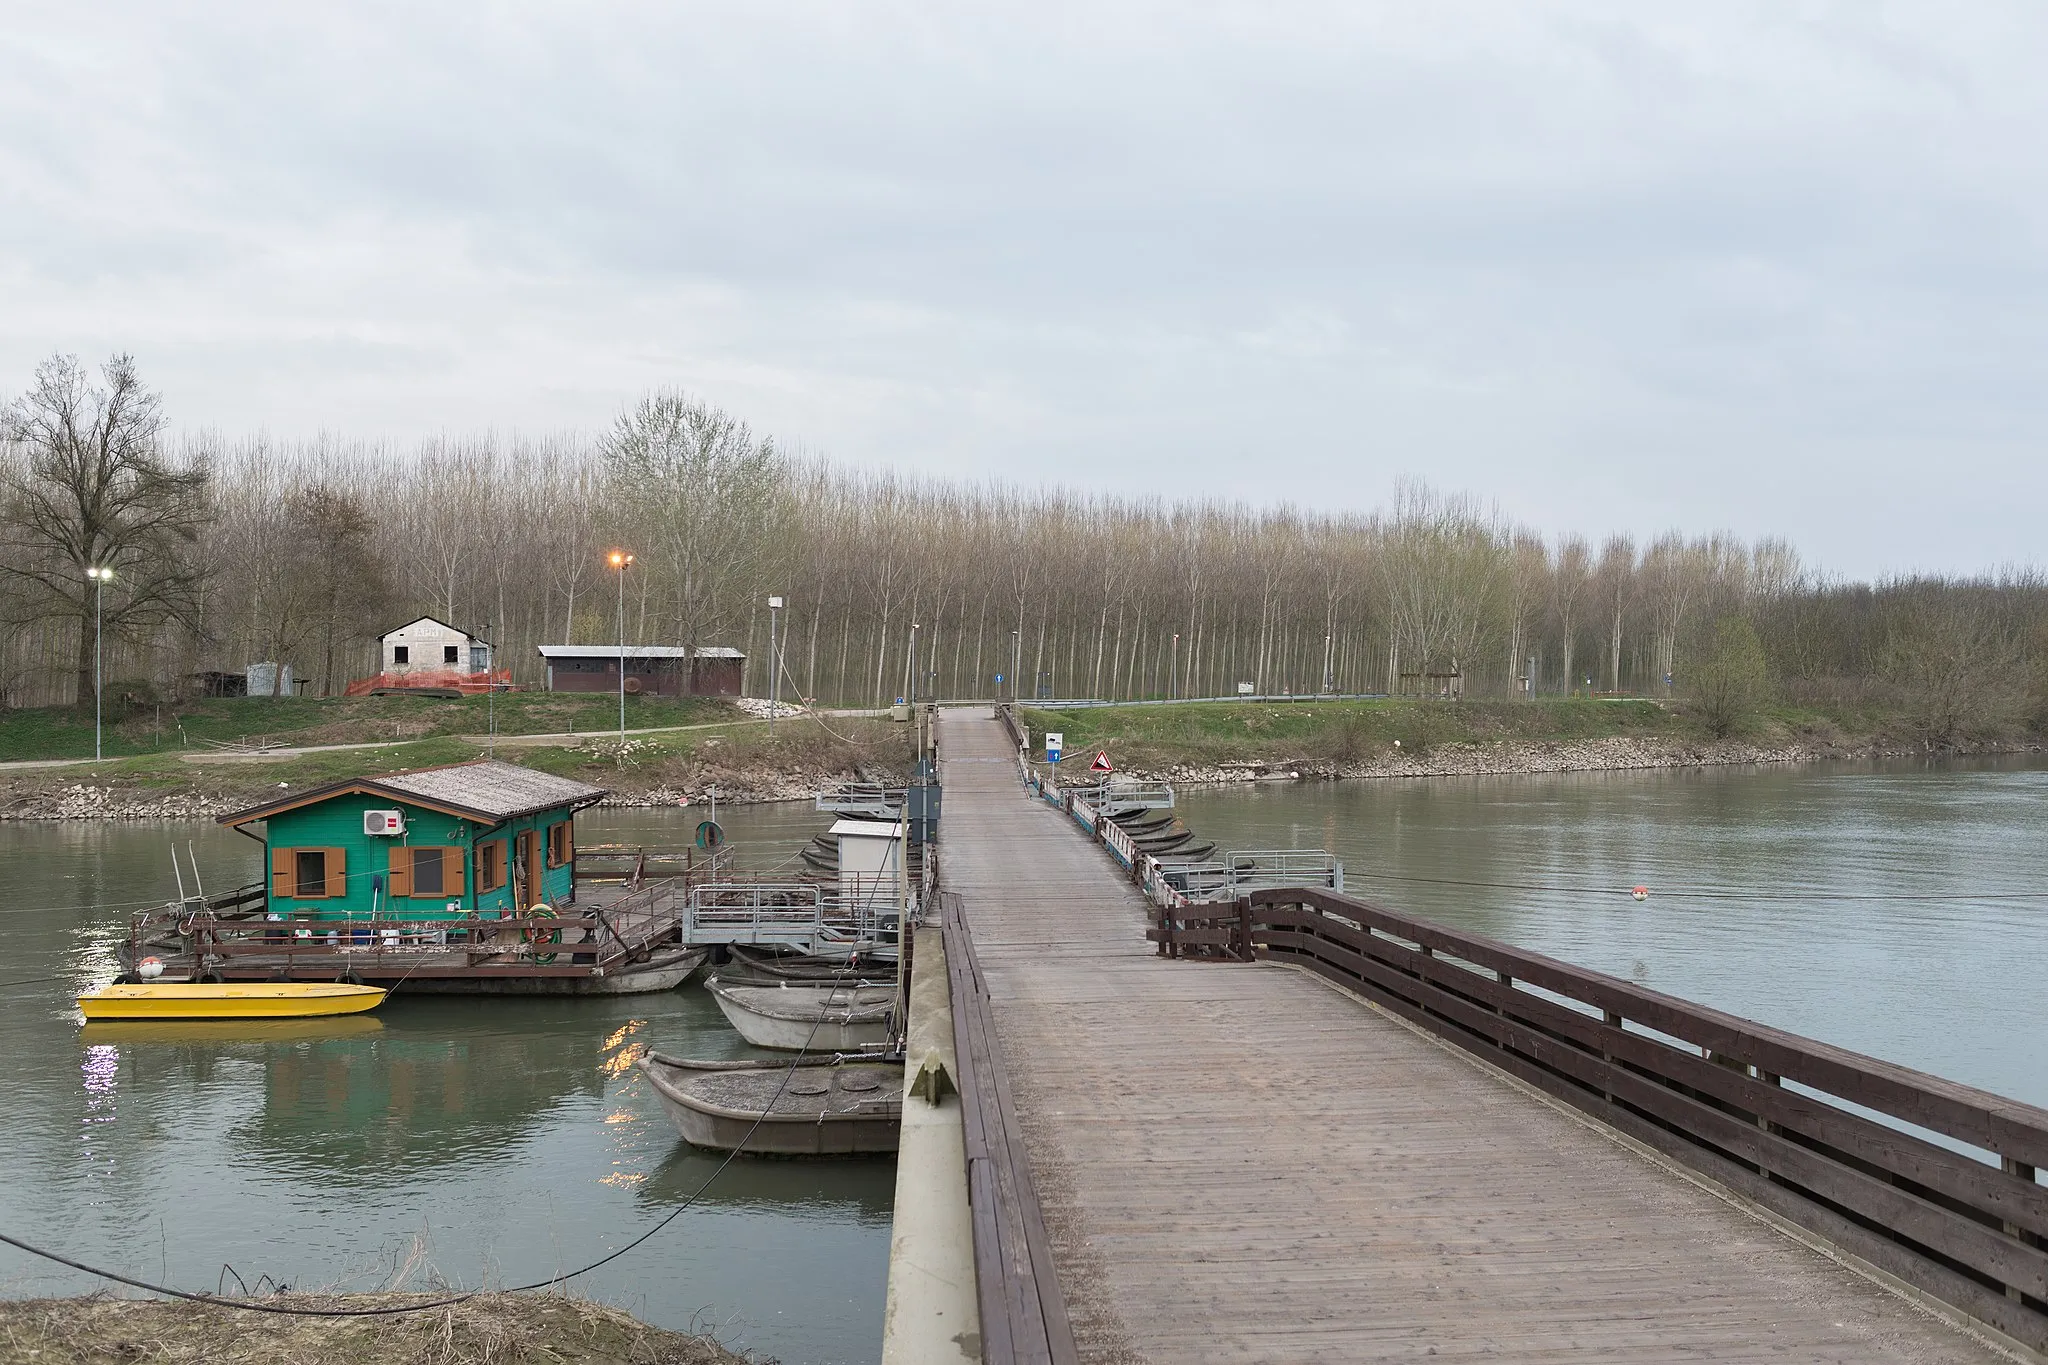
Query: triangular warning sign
[1101, 763]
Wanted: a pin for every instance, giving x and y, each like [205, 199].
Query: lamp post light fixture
[621, 561]
[100, 578]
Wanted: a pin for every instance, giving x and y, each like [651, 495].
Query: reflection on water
[1900, 909]
[510, 1139]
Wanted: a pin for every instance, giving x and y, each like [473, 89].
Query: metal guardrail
[803, 915]
[1023, 1313]
[1940, 1190]
[1121, 797]
[849, 797]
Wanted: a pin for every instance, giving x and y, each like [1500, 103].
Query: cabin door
[527, 872]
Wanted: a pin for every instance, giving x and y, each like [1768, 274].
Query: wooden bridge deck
[1242, 1163]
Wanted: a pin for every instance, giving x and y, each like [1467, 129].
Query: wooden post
[1612, 1018]
[1244, 928]
[2023, 1171]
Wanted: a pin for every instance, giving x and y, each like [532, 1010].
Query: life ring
[536, 935]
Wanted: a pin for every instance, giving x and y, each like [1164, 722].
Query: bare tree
[91, 489]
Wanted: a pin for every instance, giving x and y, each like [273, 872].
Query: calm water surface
[497, 1138]
[1899, 909]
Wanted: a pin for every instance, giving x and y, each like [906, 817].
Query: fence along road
[1246, 1164]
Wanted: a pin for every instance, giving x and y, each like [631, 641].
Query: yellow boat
[204, 1031]
[161, 1000]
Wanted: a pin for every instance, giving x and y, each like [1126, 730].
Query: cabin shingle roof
[485, 790]
[499, 790]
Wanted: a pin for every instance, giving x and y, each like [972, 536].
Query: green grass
[743, 748]
[56, 732]
[1223, 731]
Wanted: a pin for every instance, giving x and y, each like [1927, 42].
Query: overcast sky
[1774, 268]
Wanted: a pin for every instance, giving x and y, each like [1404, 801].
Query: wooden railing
[1020, 735]
[579, 938]
[1941, 1190]
[1023, 1314]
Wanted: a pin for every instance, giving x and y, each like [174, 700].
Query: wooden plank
[2000, 1196]
[1979, 1117]
[1983, 1248]
[1236, 1164]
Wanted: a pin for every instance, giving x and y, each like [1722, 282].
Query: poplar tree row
[226, 552]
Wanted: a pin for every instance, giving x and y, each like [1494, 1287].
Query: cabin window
[427, 872]
[561, 844]
[451, 654]
[490, 865]
[401, 654]
[307, 873]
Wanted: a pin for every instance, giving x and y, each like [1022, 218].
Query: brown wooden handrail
[1706, 1088]
[1023, 1312]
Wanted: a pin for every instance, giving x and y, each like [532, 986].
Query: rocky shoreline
[1513, 757]
[101, 800]
[104, 800]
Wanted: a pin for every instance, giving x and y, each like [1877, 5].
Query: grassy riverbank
[1216, 741]
[490, 1329]
[739, 758]
[139, 728]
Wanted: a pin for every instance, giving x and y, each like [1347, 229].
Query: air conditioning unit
[390, 822]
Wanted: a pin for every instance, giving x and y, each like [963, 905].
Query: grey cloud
[1739, 265]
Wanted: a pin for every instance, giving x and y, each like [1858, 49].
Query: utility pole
[621, 561]
[774, 661]
[910, 669]
[99, 579]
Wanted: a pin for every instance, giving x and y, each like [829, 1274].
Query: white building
[431, 646]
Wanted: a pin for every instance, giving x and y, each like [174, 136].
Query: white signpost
[1054, 742]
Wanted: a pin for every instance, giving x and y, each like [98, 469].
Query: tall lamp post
[1017, 662]
[774, 661]
[100, 578]
[621, 561]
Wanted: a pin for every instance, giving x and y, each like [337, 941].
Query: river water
[500, 1138]
[1901, 910]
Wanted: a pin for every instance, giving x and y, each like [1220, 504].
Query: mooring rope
[287, 1310]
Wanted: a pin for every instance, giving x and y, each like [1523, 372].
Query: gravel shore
[49, 800]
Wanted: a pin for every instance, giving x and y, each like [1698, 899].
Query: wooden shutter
[337, 876]
[401, 871]
[451, 872]
[569, 841]
[281, 865]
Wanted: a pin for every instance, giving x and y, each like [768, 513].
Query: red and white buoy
[1641, 893]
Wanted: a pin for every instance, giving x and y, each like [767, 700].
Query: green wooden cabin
[484, 839]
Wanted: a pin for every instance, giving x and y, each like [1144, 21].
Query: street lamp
[774, 661]
[621, 561]
[100, 578]
[1016, 662]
